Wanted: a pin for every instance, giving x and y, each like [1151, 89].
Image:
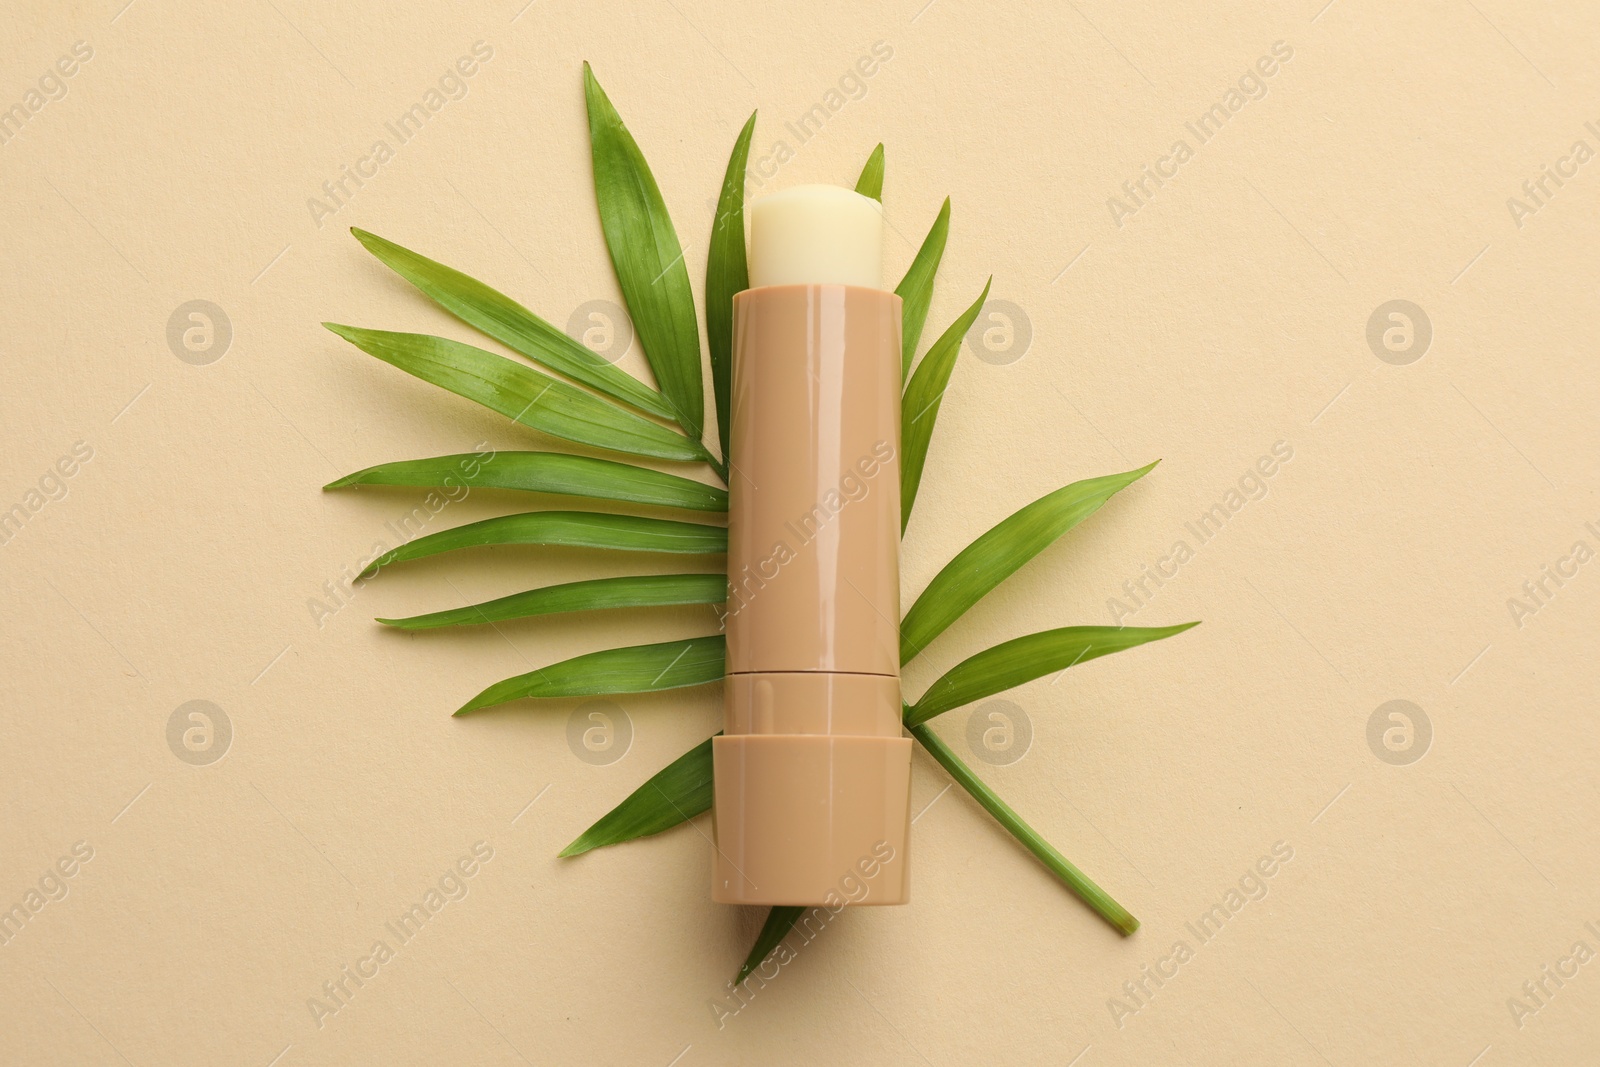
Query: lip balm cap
[816, 235]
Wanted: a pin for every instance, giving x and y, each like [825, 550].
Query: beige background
[1226, 314]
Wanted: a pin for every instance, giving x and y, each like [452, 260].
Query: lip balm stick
[813, 776]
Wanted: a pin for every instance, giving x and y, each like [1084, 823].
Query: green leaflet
[522, 394]
[674, 794]
[1059, 865]
[1007, 665]
[993, 557]
[677, 793]
[575, 529]
[871, 184]
[726, 274]
[919, 408]
[513, 325]
[635, 669]
[637, 591]
[916, 288]
[546, 472]
[648, 259]
[780, 920]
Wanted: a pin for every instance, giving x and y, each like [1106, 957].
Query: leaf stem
[1059, 865]
[718, 466]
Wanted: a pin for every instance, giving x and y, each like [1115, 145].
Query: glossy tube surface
[812, 774]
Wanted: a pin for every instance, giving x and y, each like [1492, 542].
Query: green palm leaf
[636, 591]
[572, 529]
[997, 554]
[635, 669]
[916, 288]
[513, 325]
[871, 183]
[919, 408]
[674, 794]
[1023, 659]
[522, 394]
[546, 472]
[649, 262]
[727, 273]
[648, 258]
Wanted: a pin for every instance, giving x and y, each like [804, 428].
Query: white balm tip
[816, 235]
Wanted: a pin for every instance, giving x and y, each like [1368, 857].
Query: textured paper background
[1227, 313]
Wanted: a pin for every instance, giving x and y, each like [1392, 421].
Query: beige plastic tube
[813, 773]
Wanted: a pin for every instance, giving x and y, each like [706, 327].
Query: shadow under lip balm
[813, 775]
